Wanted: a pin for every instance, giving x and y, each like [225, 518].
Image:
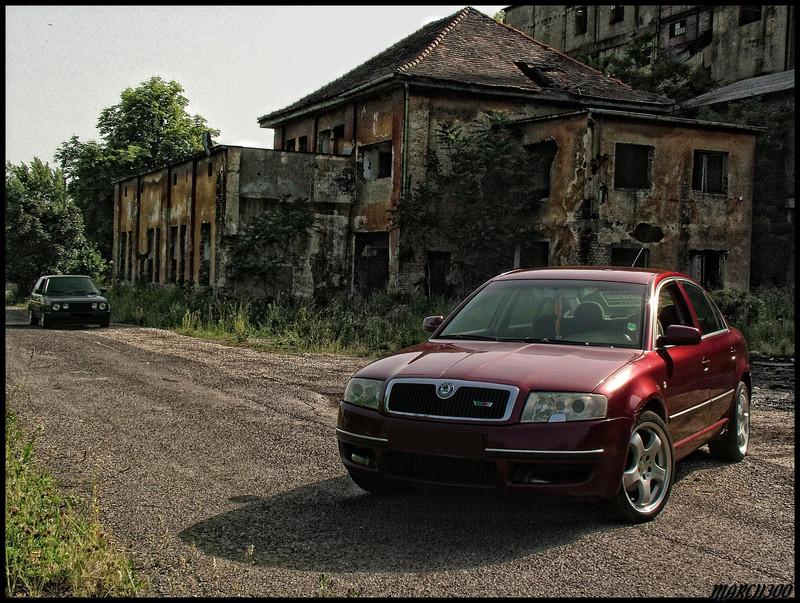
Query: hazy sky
[64, 64]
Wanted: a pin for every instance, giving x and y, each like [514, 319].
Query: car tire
[732, 446]
[32, 320]
[649, 470]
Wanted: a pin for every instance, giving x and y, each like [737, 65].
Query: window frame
[581, 17]
[673, 29]
[616, 14]
[704, 154]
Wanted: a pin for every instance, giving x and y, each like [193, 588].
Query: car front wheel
[648, 473]
[733, 445]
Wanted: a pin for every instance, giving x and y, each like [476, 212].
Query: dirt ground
[217, 469]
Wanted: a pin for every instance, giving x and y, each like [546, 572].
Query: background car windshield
[71, 285]
[566, 311]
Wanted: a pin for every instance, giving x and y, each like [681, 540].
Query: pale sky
[64, 64]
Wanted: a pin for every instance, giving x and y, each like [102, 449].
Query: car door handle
[705, 362]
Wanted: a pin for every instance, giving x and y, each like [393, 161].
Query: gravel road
[216, 467]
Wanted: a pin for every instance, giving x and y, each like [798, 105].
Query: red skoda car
[568, 381]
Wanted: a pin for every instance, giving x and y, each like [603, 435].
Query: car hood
[534, 366]
[60, 299]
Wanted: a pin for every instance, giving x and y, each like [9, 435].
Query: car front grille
[80, 307]
[439, 469]
[466, 403]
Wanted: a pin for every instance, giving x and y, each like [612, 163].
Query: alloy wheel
[742, 420]
[647, 473]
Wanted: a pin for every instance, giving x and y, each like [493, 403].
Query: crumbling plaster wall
[582, 176]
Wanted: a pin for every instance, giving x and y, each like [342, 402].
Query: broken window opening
[617, 14]
[122, 254]
[581, 20]
[633, 166]
[632, 257]
[210, 169]
[302, 144]
[541, 156]
[707, 267]
[749, 14]
[709, 172]
[174, 179]
[532, 254]
[126, 191]
[289, 145]
[371, 262]
[437, 267]
[157, 256]
[205, 251]
[677, 29]
[338, 139]
[172, 250]
[181, 254]
[376, 160]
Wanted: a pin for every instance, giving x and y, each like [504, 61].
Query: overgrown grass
[54, 547]
[765, 316]
[358, 326]
[381, 323]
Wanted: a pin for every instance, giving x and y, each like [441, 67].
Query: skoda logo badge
[445, 390]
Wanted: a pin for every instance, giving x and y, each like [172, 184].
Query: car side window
[672, 309]
[39, 288]
[702, 307]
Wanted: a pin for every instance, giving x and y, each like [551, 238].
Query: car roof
[63, 275]
[589, 273]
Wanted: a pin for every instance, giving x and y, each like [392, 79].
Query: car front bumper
[78, 317]
[581, 458]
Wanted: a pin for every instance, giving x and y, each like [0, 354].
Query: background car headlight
[556, 407]
[363, 392]
[65, 306]
[56, 306]
[103, 306]
[94, 305]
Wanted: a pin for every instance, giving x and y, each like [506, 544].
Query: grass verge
[54, 546]
[380, 323]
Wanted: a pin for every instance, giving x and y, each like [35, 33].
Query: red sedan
[568, 381]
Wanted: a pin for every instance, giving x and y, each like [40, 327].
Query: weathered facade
[175, 225]
[380, 120]
[734, 42]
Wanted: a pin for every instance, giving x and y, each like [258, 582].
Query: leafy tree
[645, 68]
[147, 129]
[44, 228]
[478, 188]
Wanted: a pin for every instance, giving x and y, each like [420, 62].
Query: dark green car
[68, 298]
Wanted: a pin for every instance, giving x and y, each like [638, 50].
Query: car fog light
[56, 306]
[94, 305]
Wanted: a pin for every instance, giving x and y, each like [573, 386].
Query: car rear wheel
[733, 445]
[648, 472]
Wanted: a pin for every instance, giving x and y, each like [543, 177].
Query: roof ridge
[437, 40]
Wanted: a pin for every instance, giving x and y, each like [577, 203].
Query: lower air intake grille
[439, 469]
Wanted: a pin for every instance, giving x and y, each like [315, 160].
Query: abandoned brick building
[621, 175]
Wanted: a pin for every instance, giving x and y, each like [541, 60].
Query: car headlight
[556, 407]
[94, 305]
[56, 306]
[363, 392]
[103, 305]
[65, 306]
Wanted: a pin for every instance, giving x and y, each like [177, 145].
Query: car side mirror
[679, 335]
[431, 323]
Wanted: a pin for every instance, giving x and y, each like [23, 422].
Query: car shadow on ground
[334, 526]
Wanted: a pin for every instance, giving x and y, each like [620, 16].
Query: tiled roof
[472, 48]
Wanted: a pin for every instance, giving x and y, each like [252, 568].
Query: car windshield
[71, 285]
[593, 313]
